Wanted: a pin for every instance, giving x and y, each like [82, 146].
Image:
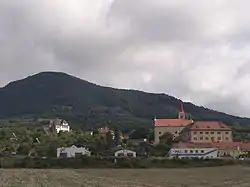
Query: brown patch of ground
[235, 176]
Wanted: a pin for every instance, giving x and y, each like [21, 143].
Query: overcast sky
[196, 50]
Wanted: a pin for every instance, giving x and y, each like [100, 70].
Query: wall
[194, 152]
[125, 153]
[200, 136]
[159, 131]
[71, 151]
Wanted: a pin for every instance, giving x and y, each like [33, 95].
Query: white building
[62, 126]
[71, 152]
[125, 153]
[194, 153]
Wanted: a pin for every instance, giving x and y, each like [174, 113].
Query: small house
[125, 153]
[71, 152]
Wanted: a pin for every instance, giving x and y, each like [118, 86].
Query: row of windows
[194, 151]
[176, 132]
[210, 132]
[212, 138]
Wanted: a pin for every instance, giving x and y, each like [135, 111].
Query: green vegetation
[111, 162]
[86, 105]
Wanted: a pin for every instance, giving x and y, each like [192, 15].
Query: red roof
[219, 145]
[209, 125]
[172, 122]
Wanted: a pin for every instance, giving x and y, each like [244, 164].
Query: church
[173, 126]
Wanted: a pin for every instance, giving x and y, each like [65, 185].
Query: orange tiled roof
[209, 125]
[172, 122]
[219, 145]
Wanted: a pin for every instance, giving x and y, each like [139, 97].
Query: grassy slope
[234, 176]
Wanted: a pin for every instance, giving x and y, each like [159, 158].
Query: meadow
[233, 176]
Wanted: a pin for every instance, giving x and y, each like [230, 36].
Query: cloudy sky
[196, 50]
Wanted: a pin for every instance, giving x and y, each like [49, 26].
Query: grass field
[230, 176]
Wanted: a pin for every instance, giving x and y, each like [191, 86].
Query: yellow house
[206, 131]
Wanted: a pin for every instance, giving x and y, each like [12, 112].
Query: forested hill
[53, 94]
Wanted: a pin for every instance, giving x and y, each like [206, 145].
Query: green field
[233, 176]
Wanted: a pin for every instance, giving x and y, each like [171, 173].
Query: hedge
[110, 162]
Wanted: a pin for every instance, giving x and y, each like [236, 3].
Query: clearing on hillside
[235, 176]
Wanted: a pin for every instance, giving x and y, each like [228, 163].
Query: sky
[195, 50]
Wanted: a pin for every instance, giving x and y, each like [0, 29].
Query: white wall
[125, 152]
[194, 152]
[71, 151]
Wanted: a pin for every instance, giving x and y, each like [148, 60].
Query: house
[206, 131]
[125, 153]
[233, 149]
[57, 125]
[71, 152]
[199, 152]
[225, 149]
[173, 126]
[106, 130]
[63, 126]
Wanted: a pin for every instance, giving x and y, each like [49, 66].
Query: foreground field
[235, 176]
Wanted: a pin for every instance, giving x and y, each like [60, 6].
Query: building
[225, 149]
[63, 126]
[57, 125]
[206, 131]
[106, 130]
[233, 149]
[201, 152]
[125, 153]
[173, 126]
[71, 152]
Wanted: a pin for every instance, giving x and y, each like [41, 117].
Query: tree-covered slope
[53, 94]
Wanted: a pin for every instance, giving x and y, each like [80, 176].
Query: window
[201, 138]
[186, 151]
[160, 133]
[207, 138]
[176, 132]
[78, 154]
[120, 154]
[207, 132]
[212, 138]
[201, 132]
[191, 151]
[195, 138]
[202, 151]
[130, 154]
[196, 151]
[227, 132]
[227, 138]
[218, 132]
[219, 138]
[212, 132]
[64, 155]
[195, 132]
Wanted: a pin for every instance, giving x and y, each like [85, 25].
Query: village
[191, 139]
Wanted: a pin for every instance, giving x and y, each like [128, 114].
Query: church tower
[182, 114]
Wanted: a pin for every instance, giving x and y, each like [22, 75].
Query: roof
[172, 122]
[219, 145]
[209, 125]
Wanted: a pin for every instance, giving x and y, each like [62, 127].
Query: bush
[109, 162]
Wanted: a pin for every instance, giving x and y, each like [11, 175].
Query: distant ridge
[57, 94]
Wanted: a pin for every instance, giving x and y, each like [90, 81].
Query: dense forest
[87, 105]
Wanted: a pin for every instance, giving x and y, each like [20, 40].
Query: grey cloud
[196, 51]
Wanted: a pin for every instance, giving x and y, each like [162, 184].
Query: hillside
[52, 94]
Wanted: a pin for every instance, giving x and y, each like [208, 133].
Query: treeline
[111, 162]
